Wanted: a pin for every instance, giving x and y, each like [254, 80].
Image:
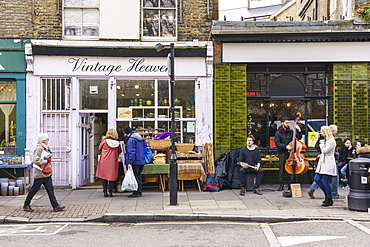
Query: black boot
[327, 202]
[281, 187]
[105, 185]
[110, 193]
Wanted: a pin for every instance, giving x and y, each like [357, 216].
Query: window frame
[79, 37]
[156, 38]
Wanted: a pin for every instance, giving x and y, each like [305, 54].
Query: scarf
[285, 131]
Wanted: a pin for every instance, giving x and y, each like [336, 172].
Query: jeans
[344, 171]
[323, 181]
[48, 184]
[243, 172]
[137, 169]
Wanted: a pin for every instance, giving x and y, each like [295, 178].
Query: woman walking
[326, 167]
[108, 164]
[41, 163]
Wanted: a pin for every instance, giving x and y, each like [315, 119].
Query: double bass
[296, 162]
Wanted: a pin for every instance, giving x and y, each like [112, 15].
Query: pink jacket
[108, 163]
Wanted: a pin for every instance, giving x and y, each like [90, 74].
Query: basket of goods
[159, 144]
[184, 147]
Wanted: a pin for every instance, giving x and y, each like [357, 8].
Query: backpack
[148, 155]
[211, 184]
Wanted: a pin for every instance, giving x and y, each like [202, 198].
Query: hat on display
[127, 130]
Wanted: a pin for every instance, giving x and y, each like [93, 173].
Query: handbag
[47, 170]
[129, 182]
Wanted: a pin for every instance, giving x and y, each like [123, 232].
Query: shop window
[264, 129]
[275, 91]
[145, 106]
[55, 94]
[93, 94]
[159, 18]
[8, 115]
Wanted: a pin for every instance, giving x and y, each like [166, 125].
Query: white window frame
[156, 38]
[79, 37]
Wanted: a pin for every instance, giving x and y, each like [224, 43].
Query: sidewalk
[88, 204]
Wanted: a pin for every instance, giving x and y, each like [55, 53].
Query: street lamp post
[173, 160]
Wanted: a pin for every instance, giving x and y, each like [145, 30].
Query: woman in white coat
[326, 167]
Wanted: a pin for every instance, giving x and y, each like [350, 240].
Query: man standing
[250, 162]
[283, 137]
[135, 157]
[335, 179]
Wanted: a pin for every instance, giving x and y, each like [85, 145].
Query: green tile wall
[230, 116]
[350, 99]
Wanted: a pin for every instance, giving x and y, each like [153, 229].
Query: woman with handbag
[108, 163]
[42, 172]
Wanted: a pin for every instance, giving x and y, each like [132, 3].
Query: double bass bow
[296, 162]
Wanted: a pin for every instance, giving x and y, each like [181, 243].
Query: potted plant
[364, 13]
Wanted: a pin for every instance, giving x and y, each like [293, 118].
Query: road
[297, 234]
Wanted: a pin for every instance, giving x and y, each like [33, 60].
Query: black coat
[281, 140]
[227, 170]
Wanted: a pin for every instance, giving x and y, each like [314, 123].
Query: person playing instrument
[250, 162]
[326, 167]
[283, 137]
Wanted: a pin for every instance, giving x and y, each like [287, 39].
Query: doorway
[92, 127]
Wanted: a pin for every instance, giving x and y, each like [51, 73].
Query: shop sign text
[135, 65]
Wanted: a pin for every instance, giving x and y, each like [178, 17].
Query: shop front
[277, 73]
[78, 94]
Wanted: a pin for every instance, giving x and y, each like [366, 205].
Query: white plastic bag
[129, 182]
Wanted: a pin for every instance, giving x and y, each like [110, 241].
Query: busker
[283, 137]
[250, 162]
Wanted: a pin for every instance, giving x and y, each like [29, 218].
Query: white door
[85, 129]
[56, 125]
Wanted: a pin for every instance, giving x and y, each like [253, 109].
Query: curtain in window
[7, 93]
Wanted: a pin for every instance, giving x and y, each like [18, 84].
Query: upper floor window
[159, 18]
[81, 17]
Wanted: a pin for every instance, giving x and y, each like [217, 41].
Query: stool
[250, 181]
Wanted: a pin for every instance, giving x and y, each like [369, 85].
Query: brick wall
[230, 114]
[350, 95]
[196, 24]
[18, 21]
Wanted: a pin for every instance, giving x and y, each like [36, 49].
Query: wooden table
[188, 171]
[191, 171]
[162, 170]
[6, 168]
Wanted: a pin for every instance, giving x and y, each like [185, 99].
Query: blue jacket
[135, 149]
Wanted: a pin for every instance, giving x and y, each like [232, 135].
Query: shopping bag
[129, 182]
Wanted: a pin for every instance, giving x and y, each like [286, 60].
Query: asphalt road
[302, 233]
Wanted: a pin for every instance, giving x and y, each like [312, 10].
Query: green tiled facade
[230, 104]
[350, 99]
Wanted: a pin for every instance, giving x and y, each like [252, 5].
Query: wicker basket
[151, 179]
[184, 147]
[159, 143]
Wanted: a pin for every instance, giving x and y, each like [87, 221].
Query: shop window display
[93, 94]
[145, 106]
[8, 115]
